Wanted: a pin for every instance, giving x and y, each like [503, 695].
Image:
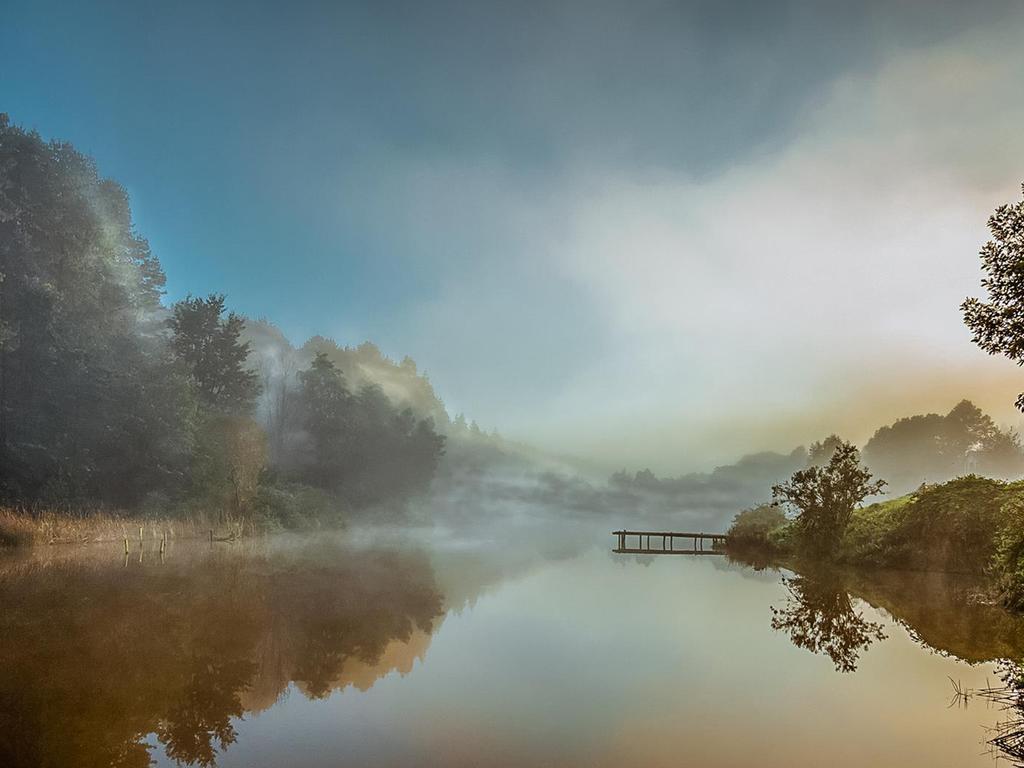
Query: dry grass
[22, 527]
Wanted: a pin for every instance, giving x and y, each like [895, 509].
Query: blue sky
[640, 232]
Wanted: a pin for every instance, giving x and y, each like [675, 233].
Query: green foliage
[208, 345]
[1009, 555]
[361, 445]
[997, 324]
[824, 497]
[952, 526]
[756, 526]
[294, 506]
[92, 406]
[105, 400]
[873, 534]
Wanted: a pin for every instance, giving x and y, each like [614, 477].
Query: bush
[952, 527]
[1008, 561]
[874, 534]
[294, 506]
[758, 527]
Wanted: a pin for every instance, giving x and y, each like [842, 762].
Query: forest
[112, 398]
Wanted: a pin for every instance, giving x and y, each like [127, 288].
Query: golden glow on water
[323, 655]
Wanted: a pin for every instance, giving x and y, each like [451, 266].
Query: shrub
[874, 535]
[952, 527]
[1009, 556]
[755, 527]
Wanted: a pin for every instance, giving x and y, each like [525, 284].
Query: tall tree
[90, 405]
[208, 343]
[325, 405]
[998, 324]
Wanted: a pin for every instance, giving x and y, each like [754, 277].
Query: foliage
[934, 448]
[294, 506]
[998, 324]
[873, 535]
[755, 526]
[952, 526]
[824, 497]
[92, 406]
[361, 444]
[208, 345]
[109, 399]
[230, 455]
[820, 452]
[1009, 553]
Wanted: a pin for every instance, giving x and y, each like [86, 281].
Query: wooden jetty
[668, 543]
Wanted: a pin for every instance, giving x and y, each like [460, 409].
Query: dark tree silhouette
[819, 617]
[208, 344]
[998, 324]
[824, 497]
[91, 407]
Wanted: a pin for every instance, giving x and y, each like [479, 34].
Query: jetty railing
[668, 542]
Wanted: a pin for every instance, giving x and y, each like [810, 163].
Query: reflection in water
[941, 612]
[1007, 736]
[173, 661]
[94, 659]
[819, 616]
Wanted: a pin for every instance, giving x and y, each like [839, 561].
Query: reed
[21, 527]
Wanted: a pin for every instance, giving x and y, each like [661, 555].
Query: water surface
[377, 651]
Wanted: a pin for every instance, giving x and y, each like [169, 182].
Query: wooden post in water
[140, 534]
[211, 537]
[126, 545]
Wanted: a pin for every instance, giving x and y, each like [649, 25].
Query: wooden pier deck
[668, 543]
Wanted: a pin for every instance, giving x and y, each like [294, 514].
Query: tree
[209, 345]
[820, 452]
[824, 497]
[998, 324]
[936, 448]
[325, 405]
[91, 407]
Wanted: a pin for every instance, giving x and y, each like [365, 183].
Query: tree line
[110, 398]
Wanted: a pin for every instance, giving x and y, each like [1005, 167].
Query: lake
[393, 649]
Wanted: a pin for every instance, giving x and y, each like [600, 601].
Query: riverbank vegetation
[971, 525]
[968, 524]
[113, 402]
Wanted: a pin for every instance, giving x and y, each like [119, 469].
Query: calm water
[380, 652]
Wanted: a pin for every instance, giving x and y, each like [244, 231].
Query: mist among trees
[108, 397]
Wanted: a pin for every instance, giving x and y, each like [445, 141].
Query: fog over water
[662, 236]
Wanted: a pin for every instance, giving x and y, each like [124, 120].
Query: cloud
[799, 283]
[646, 314]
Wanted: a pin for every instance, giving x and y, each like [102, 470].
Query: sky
[643, 233]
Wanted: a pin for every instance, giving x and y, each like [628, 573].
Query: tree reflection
[94, 659]
[1007, 737]
[200, 721]
[820, 617]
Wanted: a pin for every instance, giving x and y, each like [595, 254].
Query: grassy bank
[25, 528]
[969, 525]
